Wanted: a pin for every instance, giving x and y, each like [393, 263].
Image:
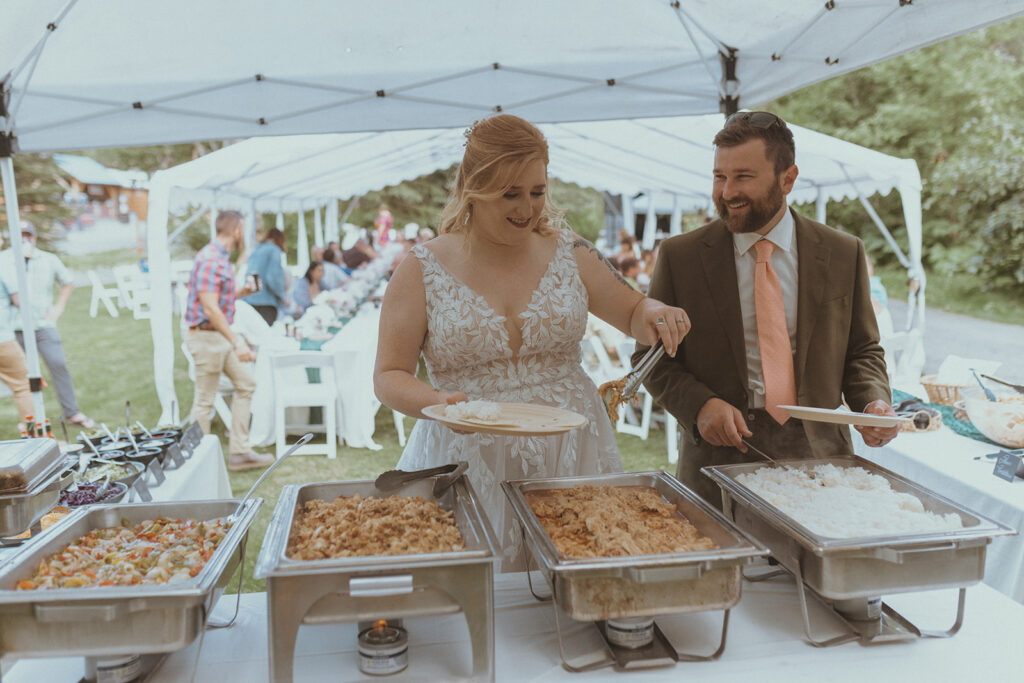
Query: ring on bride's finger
[660, 321]
[680, 321]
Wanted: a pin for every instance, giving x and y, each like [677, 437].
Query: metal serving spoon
[241, 504]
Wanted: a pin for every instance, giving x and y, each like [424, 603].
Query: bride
[497, 304]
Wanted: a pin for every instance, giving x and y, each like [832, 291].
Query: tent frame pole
[35, 376]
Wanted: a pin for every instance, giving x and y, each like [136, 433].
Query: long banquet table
[956, 467]
[765, 643]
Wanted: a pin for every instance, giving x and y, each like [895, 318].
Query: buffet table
[354, 349]
[204, 476]
[765, 642]
[946, 463]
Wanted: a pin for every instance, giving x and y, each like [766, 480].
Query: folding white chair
[101, 294]
[399, 426]
[292, 389]
[123, 277]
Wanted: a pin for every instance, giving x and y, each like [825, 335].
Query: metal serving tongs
[638, 374]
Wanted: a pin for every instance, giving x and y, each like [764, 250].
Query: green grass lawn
[111, 361]
[959, 293]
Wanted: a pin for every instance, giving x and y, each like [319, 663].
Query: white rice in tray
[483, 411]
[845, 502]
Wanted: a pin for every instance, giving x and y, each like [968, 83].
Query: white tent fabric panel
[194, 69]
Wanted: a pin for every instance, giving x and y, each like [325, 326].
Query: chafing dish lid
[26, 462]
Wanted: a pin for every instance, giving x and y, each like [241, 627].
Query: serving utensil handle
[295, 446]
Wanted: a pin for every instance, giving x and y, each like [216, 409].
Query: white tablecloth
[204, 476]
[765, 643]
[354, 349]
[944, 462]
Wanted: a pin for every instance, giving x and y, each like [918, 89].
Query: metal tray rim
[555, 561]
[198, 586]
[274, 562]
[987, 528]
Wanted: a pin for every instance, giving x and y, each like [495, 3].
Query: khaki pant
[213, 355]
[14, 373]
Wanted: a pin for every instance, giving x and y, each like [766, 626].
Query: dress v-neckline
[494, 313]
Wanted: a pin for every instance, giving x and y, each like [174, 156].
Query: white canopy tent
[672, 155]
[76, 74]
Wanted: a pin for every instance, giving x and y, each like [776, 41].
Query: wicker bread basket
[943, 394]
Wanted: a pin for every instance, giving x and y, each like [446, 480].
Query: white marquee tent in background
[77, 73]
[660, 155]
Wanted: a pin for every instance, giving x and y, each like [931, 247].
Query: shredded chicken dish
[154, 551]
[610, 521]
[355, 526]
[611, 394]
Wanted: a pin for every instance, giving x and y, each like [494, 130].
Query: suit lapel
[812, 275]
[720, 274]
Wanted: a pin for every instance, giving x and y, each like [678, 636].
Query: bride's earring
[469, 210]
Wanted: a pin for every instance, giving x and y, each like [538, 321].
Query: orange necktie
[773, 335]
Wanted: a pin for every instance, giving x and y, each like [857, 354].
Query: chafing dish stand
[849, 575]
[599, 589]
[353, 589]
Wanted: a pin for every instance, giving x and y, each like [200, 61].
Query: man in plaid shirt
[214, 346]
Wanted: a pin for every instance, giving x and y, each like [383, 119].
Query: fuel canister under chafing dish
[383, 649]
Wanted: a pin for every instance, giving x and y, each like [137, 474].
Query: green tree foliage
[955, 108]
[40, 191]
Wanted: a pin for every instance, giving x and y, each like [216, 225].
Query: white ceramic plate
[841, 416]
[517, 419]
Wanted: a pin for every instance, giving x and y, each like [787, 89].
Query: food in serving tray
[480, 411]
[55, 514]
[115, 470]
[845, 502]
[155, 551]
[91, 492]
[352, 526]
[611, 521]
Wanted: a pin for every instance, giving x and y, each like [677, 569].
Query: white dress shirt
[784, 262]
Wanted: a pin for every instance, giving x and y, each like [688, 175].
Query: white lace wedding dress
[467, 349]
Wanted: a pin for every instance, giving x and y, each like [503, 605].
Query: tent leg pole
[24, 296]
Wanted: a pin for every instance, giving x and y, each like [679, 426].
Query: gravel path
[951, 333]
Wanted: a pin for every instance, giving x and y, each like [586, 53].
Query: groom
[781, 315]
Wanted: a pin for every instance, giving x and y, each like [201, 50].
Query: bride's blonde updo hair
[497, 151]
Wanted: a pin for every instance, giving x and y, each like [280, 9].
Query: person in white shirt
[43, 271]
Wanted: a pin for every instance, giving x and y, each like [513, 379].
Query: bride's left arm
[615, 301]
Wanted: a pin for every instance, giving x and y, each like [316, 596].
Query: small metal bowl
[116, 498]
[129, 479]
[143, 456]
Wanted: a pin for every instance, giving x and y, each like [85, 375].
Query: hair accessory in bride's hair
[469, 132]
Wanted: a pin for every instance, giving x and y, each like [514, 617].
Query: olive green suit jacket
[837, 356]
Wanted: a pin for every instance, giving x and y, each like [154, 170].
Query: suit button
[750, 417]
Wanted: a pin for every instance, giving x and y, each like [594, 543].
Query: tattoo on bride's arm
[611, 266]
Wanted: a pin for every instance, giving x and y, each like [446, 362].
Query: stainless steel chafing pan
[115, 620]
[594, 589]
[846, 568]
[381, 586]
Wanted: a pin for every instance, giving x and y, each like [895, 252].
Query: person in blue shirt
[265, 261]
[306, 288]
[334, 275]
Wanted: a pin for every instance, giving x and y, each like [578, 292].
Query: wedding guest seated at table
[334, 275]
[306, 288]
